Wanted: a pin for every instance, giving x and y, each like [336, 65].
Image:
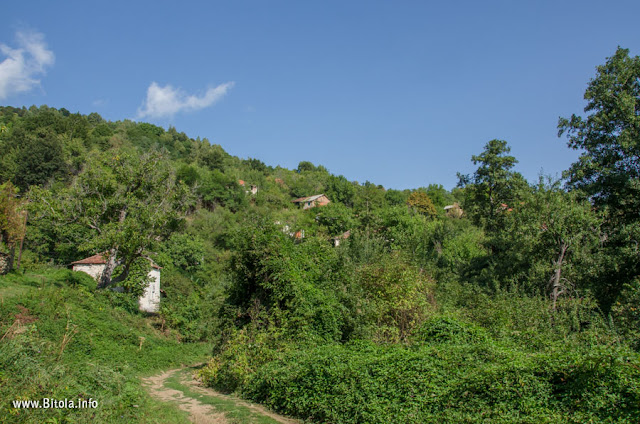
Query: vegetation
[61, 339]
[518, 304]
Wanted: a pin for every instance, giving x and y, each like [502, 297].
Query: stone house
[312, 201]
[150, 299]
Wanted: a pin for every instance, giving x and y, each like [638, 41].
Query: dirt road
[204, 405]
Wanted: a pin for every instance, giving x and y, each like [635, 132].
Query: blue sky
[398, 93]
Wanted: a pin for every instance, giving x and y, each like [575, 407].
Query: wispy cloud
[22, 65]
[163, 102]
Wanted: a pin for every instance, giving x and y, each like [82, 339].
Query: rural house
[313, 201]
[338, 239]
[150, 299]
[454, 211]
[253, 189]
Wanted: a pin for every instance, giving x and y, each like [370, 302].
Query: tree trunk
[556, 288]
[24, 234]
[112, 261]
[105, 278]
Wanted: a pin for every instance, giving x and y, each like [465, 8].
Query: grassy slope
[61, 339]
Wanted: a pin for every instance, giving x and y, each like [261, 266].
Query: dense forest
[502, 300]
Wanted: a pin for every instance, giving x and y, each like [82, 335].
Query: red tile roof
[92, 260]
[99, 259]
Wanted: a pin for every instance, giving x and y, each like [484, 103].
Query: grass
[62, 339]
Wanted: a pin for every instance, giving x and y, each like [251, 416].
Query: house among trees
[150, 299]
[313, 201]
[253, 189]
[338, 239]
[454, 211]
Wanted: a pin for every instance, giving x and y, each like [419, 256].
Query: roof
[308, 199]
[99, 259]
[343, 236]
[91, 260]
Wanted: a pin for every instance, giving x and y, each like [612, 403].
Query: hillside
[62, 340]
[502, 300]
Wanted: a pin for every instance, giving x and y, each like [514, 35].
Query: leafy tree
[218, 189]
[12, 221]
[336, 217]
[188, 174]
[549, 242]
[396, 197]
[306, 166]
[127, 204]
[493, 185]
[38, 157]
[339, 189]
[608, 170]
[421, 203]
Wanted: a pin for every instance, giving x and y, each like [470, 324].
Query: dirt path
[199, 412]
[200, 408]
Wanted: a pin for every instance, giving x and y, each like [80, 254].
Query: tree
[549, 242]
[493, 185]
[12, 219]
[421, 203]
[608, 170]
[126, 204]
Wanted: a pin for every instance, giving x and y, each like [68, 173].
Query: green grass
[62, 339]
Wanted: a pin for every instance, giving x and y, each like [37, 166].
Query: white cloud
[22, 66]
[162, 102]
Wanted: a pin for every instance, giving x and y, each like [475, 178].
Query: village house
[253, 189]
[338, 239]
[313, 201]
[454, 211]
[150, 299]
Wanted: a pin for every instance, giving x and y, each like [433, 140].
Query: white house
[150, 299]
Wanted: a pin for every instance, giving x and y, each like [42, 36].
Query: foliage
[493, 184]
[464, 376]
[549, 242]
[60, 339]
[421, 203]
[608, 170]
[11, 215]
[125, 204]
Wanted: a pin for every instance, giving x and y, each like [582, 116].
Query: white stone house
[150, 299]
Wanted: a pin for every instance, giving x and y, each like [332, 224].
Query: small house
[338, 239]
[313, 201]
[454, 211]
[150, 299]
[253, 189]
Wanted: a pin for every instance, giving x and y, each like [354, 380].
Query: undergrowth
[61, 339]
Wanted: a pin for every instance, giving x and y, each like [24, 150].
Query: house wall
[150, 299]
[322, 201]
[94, 270]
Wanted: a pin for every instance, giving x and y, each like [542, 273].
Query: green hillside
[501, 300]
[63, 340]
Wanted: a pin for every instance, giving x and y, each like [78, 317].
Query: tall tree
[493, 185]
[608, 170]
[126, 204]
